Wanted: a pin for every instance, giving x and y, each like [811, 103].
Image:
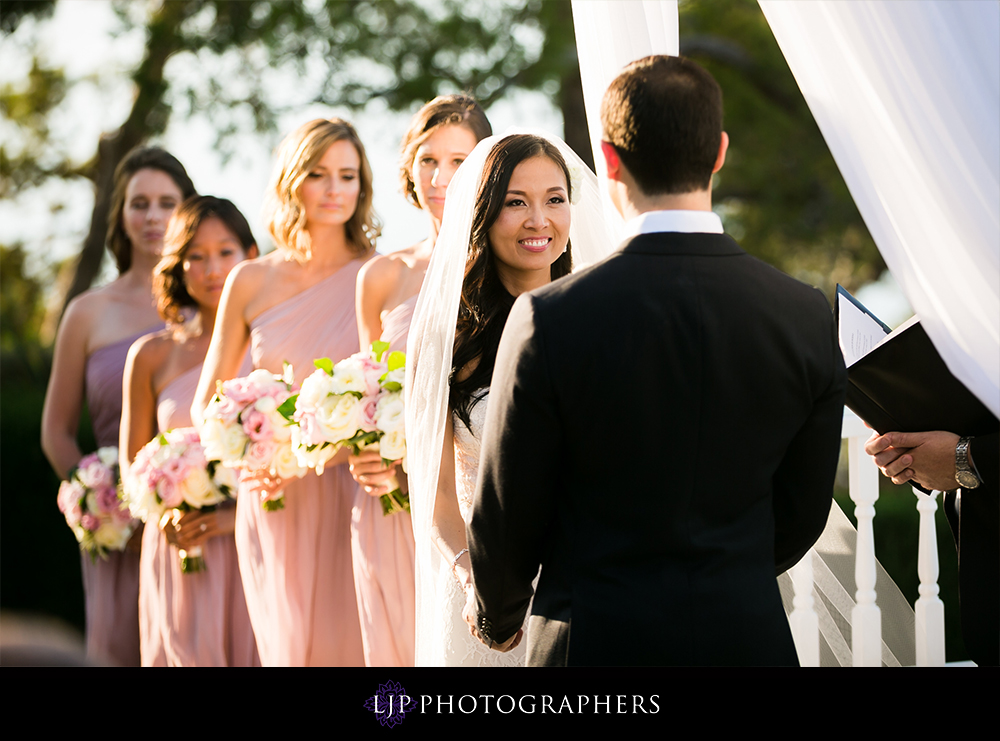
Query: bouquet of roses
[358, 403]
[89, 500]
[244, 429]
[172, 475]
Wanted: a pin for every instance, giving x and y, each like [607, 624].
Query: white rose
[197, 489]
[286, 465]
[265, 404]
[315, 458]
[280, 427]
[390, 413]
[392, 445]
[314, 389]
[231, 444]
[349, 375]
[112, 537]
[108, 456]
[338, 417]
[227, 477]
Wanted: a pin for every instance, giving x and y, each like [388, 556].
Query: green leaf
[397, 359]
[273, 505]
[287, 408]
[324, 364]
[378, 349]
[392, 386]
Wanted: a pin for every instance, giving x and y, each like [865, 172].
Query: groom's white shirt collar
[707, 222]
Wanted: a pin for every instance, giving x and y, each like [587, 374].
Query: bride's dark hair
[486, 303]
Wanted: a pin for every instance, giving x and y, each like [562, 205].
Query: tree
[401, 52]
[780, 191]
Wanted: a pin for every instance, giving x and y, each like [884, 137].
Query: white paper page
[860, 333]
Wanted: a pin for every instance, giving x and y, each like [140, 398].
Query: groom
[663, 427]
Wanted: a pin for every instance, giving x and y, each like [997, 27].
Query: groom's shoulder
[581, 282]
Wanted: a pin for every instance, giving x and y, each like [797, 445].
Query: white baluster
[803, 620]
[866, 618]
[929, 608]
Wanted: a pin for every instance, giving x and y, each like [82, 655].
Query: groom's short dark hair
[663, 115]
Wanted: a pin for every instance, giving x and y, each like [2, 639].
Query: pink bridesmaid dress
[191, 619]
[296, 562]
[383, 552]
[111, 585]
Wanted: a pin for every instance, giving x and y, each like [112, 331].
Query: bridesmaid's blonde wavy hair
[285, 214]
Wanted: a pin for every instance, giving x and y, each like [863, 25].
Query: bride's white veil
[432, 339]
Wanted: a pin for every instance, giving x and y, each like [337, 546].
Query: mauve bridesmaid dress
[191, 619]
[111, 585]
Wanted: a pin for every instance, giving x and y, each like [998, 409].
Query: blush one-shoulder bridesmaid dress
[296, 562]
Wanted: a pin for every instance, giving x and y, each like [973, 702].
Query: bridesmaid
[187, 619]
[94, 337]
[440, 137]
[297, 304]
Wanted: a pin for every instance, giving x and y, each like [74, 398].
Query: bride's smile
[532, 229]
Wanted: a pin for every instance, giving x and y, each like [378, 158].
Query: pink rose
[369, 404]
[259, 454]
[257, 425]
[169, 492]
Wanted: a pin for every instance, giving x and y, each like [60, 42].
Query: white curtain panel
[907, 95]
[609, 35]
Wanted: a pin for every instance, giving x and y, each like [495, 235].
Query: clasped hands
[469, 613]
[186, 530]
[926, 458]
[369, 470]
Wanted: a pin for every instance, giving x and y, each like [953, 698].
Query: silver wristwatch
[964, 474]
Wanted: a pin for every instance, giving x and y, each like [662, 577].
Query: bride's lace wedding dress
[457, 646]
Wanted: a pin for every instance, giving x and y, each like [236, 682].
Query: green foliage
[780, 192]
[287, 408]
[12, 12]
[22, 310]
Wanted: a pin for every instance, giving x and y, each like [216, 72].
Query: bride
[520, 212]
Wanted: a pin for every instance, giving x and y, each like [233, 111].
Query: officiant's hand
[927, 458]
[370, 472]
[469, 614]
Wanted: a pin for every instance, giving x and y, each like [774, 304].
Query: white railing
[866, 620]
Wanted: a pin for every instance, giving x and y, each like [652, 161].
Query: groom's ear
[612, 160]
[720, 158]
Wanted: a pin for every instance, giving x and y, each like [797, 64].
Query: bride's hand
[370, 472]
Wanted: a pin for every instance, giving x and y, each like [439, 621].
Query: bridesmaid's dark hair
[486, 303]
[140, 158]
[168, 277]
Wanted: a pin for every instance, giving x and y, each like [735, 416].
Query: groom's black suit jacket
[662, 436]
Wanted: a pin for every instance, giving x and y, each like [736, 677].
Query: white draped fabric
[609, 35]
[907, 96]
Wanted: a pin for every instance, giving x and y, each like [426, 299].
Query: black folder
[904, 385]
